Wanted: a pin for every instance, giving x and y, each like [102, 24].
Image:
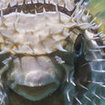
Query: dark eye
[78, 46]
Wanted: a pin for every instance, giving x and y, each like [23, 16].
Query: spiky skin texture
[51, 54]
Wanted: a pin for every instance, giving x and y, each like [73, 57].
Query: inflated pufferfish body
[51, 53]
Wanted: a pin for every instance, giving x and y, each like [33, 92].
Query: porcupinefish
[52, 52]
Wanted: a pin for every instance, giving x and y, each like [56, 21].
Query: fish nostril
[39, 78]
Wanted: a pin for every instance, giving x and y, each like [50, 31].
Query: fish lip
[41, 93]
[29, 84]
[35, 90]
[34, 79]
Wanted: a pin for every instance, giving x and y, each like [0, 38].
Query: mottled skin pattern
[50, 54]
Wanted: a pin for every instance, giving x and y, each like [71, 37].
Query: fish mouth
[36, 86]
[37, 92]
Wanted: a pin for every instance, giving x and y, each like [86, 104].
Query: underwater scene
[52, 52]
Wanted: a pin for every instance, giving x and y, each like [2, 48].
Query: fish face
[35, 77]
[36, 69]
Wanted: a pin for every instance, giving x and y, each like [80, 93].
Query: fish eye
[78, 46]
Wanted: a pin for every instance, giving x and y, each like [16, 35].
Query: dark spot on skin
[38, 7]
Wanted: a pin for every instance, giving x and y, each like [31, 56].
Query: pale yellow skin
[33, 40]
